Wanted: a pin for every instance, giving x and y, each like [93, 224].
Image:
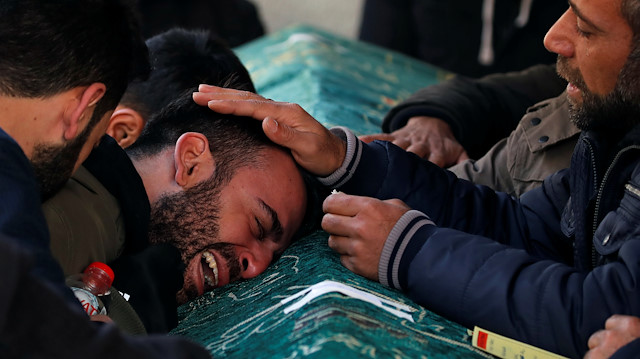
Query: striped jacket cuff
[350, 162]
[396, 245]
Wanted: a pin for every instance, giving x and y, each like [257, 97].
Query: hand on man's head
[289, 125]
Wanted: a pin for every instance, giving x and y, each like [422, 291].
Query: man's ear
[78, 110]
[193, 159]
[125, 126]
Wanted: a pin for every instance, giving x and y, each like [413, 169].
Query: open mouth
[209, 271]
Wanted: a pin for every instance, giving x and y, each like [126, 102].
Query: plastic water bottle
[92, 287]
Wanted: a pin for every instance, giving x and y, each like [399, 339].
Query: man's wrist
[351, 158]
[396, 244]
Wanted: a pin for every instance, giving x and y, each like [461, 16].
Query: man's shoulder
[16, 171]
[10, 152]
[83, 215]
[546, 124]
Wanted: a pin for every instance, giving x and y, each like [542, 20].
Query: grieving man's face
[232, 231]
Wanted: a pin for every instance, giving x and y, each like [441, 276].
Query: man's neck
[27, 120]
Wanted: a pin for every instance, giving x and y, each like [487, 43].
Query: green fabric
[247, 320]
[340, 82]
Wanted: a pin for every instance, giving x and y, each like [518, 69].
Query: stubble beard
[189, 220]
[618, 111]
[53, 165]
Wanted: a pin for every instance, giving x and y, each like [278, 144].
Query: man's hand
[358, 228]
[101, 318]
[289, 125]
[619, 331]
[428, 137]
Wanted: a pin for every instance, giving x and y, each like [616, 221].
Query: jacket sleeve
[480, 111]
[474, 280]
[483, 258]
[384, 171]
[629, 351]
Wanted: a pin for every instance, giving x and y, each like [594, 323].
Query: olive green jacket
[85, 223]
[541, 144]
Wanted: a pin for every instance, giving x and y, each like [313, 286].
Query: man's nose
[559, 37]
[254, 261]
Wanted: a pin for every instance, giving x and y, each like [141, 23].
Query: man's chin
[574, 94]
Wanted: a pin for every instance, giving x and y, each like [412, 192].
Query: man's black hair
[49, 47]
[234, 141]
[181, 60]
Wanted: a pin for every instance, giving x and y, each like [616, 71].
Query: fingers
[354, 256]
[596, 339]
[279, 133]
[239, 103]
[602, 344]
[339, 244]
[419, 148]
[101, 318]
[344, 247]
[438, 158]
[287, 124]
[617, 321]
[343, 204]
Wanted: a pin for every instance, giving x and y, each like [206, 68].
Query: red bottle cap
[103, 267]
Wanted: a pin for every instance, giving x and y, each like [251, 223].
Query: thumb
[278, 133]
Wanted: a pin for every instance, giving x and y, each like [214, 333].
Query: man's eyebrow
[580, 15]
[276, 226]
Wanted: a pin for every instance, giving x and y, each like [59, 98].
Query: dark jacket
[480, 112]
[450, 34]
[547, 269]
[39, 316]
[629, 351]
[20, 215]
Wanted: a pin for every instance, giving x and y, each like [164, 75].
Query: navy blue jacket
[629, 351]
[20, 215]
[547, 269]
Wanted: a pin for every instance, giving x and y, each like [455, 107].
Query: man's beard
[189, 221]
[53, 165]
[617, 111]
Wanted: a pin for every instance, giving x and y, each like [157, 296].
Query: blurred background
[341, 17]
[459, 36]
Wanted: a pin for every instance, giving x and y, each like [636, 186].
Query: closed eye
[275, 229]
[261, 231]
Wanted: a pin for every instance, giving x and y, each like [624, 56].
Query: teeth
[211, 262]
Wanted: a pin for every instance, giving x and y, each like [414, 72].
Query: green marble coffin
[339, 82]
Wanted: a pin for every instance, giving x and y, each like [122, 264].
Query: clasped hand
[358, 228]
[428, 137]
